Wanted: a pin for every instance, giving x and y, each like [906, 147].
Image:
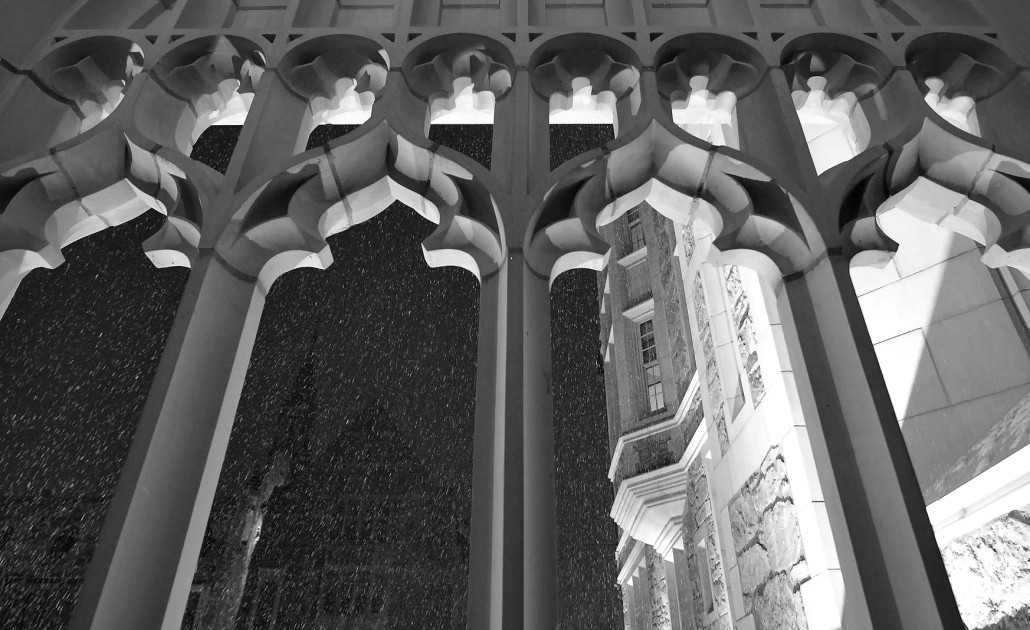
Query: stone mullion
[147, 552]
[899, 567]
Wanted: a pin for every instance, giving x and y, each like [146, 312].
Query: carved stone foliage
[747, 342]
[713, 381]
[767, 543]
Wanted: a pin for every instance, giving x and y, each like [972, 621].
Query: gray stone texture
[714, 384]
[747, 340]
[767, 541]
[698, 517]
[990, 572]
[661, 618]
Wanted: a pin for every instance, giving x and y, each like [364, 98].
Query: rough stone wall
[990, 573]
[767, 541]
[661, 618]
[698, 517]
[747, 341]
[712, 380]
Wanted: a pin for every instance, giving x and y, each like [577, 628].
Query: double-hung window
[636, 229]
[652, 371]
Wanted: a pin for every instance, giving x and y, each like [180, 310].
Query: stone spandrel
[767, 542]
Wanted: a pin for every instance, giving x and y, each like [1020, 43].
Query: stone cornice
[677, 420]
[649, 507]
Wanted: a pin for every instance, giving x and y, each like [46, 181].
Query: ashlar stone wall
[767, 543]
[699, 523]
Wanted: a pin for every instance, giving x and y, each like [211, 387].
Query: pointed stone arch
[744, 209]
[101, 180]
[284, 224]
[940, 178]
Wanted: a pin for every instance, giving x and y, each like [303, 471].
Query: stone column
[512, 578]
[148, 548]
[540, 544]
[899, 566]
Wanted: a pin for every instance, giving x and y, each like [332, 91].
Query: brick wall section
[767, 542]
[698, 517]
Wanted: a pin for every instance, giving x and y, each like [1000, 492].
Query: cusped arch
[335, 73]
[730, 64]
[847, 63]
[968, 65]
[564, 66]
[937, 177]
[195, 80]
[753, 219]
[284, 224]
[87, 186]
[90, 74]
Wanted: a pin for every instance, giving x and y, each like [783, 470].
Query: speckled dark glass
[324, 134]
[80, 346]
[587, 536]
[568, 141]
[215, 146]
[475, 141]
[375, 359]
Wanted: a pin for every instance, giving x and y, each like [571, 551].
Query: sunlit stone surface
[80, 346]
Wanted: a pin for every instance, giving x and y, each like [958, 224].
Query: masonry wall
[768, 547]
[699, 526]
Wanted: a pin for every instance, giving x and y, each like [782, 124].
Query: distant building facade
[812, 234]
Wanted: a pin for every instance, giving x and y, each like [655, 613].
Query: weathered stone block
[745, 520]
[780, 535]
[775, 609]
[754, 568]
